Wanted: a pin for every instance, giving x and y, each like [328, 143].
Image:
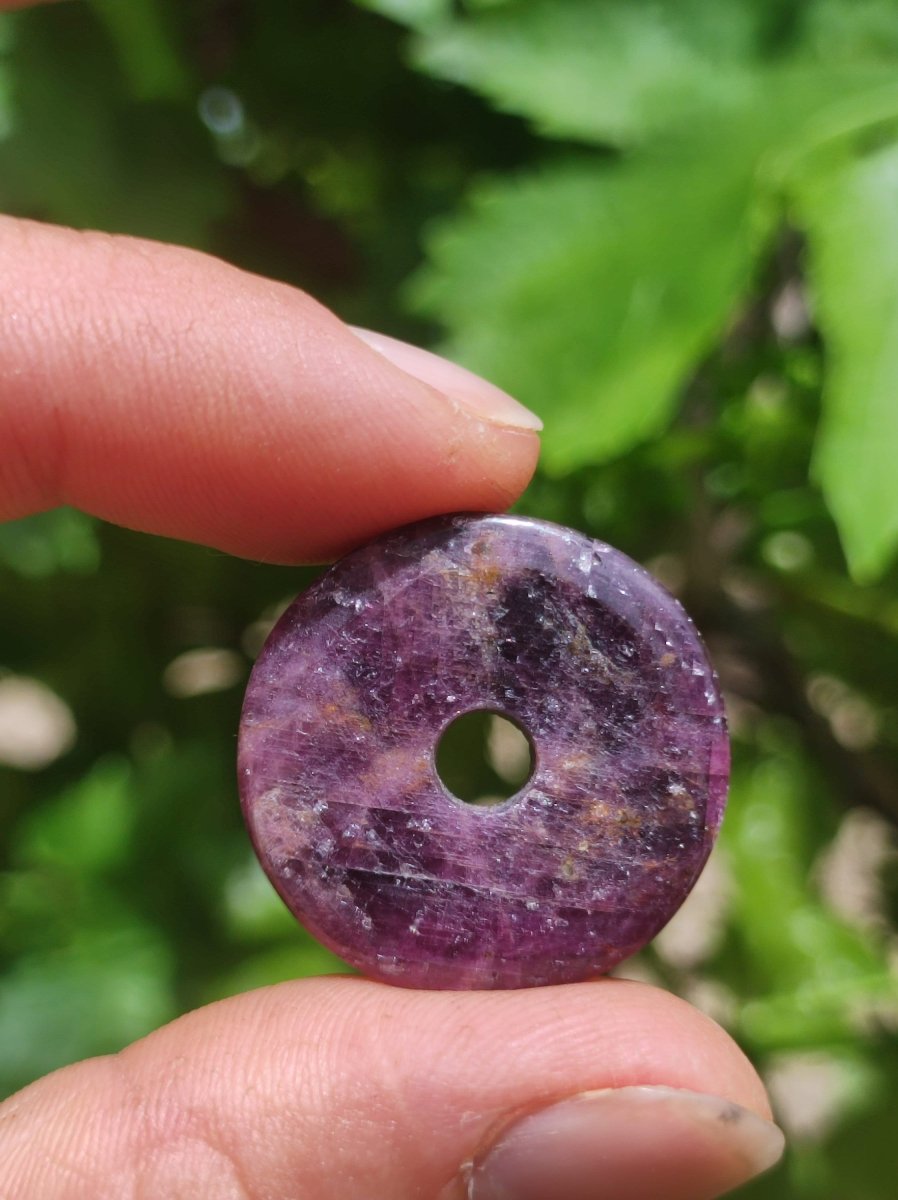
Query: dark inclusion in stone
[565, 636]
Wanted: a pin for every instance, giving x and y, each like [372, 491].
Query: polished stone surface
[567, 637]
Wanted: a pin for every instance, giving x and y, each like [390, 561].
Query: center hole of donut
[483, 758]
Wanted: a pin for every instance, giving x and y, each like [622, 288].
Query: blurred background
[671, 228]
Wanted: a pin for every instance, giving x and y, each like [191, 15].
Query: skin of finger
[341, 1089]
[167, 391]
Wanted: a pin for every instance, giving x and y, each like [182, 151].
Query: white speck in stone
[532, 905]
[698, 669]
[676, 789]
[319, 806]
[366, 922]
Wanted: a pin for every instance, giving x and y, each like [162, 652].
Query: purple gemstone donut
[572, 641]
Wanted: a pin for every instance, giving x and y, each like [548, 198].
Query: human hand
[170, 393]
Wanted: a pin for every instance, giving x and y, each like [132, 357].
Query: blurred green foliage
[670, 228]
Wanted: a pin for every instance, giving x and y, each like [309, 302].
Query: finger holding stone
[340, 1089]
[169, 392]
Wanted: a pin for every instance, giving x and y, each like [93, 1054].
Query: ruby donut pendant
[568, 638]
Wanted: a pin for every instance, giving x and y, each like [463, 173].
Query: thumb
[341, 1089]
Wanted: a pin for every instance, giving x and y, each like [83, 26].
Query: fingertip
[482, 398]
[631, 1138]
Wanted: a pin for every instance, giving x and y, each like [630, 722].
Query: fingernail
[632, 1143]
[486, 401]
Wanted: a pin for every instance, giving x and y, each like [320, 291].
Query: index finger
[169, 392]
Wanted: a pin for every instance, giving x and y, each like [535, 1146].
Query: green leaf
[617, 71]
[849, 209]
[83, 152]
[88, 827]
[145, 48]
[110, 986]
[610, 72]
[811, 977]
[409, 12]
[590, 290]
[40, 546]
[842, 31]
